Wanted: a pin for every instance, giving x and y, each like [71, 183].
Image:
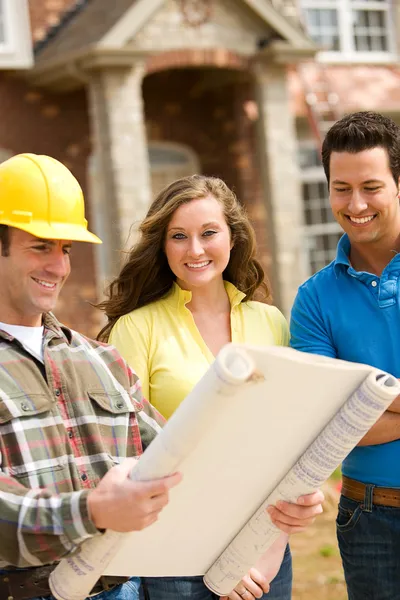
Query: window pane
[308, 156]
[322, 26]
[322, 249]
[316, 203]
[369, 28]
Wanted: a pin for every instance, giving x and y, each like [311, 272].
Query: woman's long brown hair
[146, 275]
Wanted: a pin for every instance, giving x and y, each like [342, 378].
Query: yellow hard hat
[38, 194]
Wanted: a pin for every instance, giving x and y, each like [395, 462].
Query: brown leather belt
[355, 490]
[20, 584]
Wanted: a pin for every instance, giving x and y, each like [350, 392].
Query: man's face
[364, 196]
[31, 277]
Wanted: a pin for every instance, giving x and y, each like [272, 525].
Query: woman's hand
[253, 585]
[257, 581]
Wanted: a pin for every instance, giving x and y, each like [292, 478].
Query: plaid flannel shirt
[63, 424]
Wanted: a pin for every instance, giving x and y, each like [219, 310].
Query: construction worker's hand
[293, 518]
[121, 504]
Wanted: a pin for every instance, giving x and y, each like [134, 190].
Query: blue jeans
[193, 588]
[126, 591]
[369, 543]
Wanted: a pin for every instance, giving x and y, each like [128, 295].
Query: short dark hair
[363, 131]
[5, 240]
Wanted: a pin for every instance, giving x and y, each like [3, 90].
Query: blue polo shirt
[355, 316]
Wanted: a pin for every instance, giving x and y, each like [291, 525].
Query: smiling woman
[186, 290]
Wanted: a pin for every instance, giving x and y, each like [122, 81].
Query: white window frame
[348, 52]
[314, 174]
[16, 49]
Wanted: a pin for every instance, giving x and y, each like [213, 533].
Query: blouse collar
[180, 297]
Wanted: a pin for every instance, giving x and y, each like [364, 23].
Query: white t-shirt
[30, 337]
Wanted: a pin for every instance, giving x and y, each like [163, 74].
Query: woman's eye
[178, 236]
[209, 232]
[371, 189]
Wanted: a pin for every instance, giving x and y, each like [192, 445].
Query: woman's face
[198, 243]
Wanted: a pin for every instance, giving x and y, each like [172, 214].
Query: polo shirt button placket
[374, 283]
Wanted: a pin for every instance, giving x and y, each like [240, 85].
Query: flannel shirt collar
[52, 329]
[56, 329]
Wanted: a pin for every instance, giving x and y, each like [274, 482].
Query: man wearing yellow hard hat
[67, 411]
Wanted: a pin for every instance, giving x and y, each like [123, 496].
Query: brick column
[281, 182]
[120, 151]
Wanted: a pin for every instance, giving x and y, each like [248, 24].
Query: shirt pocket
[28, 441]
[23, 406]
[116, 422]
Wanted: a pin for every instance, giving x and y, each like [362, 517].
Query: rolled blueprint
[318, 462]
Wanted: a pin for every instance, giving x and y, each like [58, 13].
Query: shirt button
[119, 405]
[374, 283]
[24, 406]
[70, 434]
[58, 392]
[83, 476]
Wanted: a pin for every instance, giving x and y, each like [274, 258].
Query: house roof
[82, 27]
[45, 29]
[90, 28]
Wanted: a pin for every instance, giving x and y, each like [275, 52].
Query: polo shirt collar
[342, 259]
[342, 253]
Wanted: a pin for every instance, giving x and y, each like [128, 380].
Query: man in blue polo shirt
[350, 310]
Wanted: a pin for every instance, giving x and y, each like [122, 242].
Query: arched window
[170, 161]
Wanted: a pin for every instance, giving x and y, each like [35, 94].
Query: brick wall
[39, 122]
